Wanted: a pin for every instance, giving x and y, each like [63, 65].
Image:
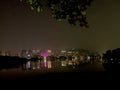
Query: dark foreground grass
[64, 80]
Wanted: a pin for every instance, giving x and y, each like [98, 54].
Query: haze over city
[22, 28]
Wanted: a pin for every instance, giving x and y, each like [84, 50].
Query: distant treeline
[7, 62]
[111, 59]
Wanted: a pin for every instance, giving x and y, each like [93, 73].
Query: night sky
[22, 28]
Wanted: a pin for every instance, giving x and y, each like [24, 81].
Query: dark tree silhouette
[107, 56]
[7, 62]
[74, 11]
[116, 55]
[112, 59]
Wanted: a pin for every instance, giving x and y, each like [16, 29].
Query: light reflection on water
[38, 64]
[42, 64]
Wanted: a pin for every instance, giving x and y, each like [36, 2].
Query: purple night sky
[22, 28]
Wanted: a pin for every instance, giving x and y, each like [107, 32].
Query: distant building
[2, 53]
[26, 54]
[7, 53]
[36, 53]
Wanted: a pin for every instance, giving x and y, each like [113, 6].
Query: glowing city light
[49, 51]
[45, 54]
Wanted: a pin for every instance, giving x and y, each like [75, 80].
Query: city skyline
[22, 28]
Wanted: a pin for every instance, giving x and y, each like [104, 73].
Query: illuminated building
[23, 53]
[27, 54]
[63, 52]
[36, 52]
[7, 53]
[2, 53]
